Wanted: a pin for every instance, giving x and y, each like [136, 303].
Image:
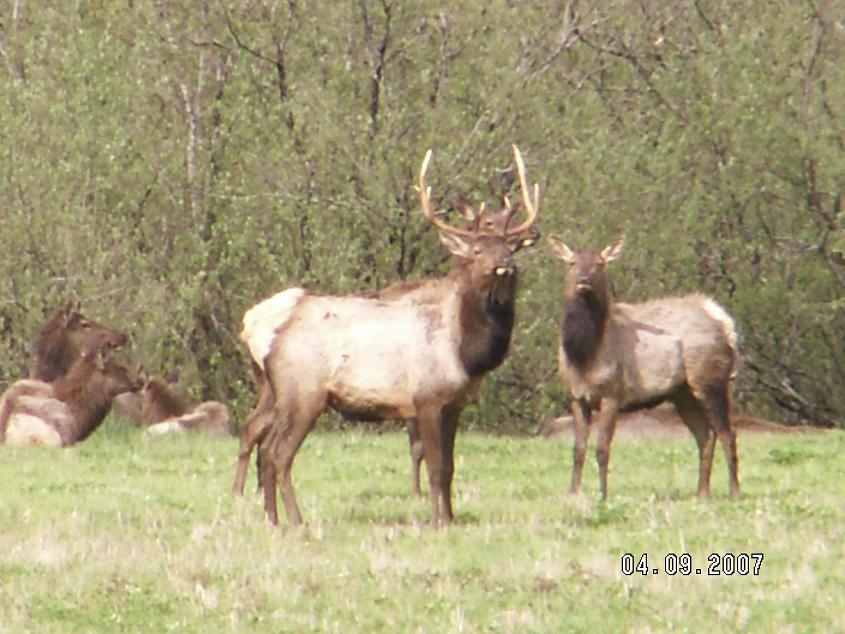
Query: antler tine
[425, 202]
[509, 211]
[532, 207]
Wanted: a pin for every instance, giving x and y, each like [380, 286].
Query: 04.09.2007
[727, 564]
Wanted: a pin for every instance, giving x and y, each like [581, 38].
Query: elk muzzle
[583, 284]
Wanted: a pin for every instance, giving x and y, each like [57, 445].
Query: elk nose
[505, 266]
[583, 282]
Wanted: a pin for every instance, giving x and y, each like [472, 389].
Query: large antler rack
[425, 202]
[532, 207]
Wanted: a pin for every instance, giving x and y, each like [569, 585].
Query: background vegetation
[168, 164]
[135, 534]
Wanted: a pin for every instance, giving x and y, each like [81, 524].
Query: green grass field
[136, 534]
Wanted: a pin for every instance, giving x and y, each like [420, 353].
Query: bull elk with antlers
[617, 357]
[420, 358]
[482, 222]
[258, 336]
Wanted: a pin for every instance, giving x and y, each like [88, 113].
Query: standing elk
[66, 336]
[161, 409]
[68, 410]
[370, 358]
[258, 336]
[616, 357]
[482, 222]
[260, 321]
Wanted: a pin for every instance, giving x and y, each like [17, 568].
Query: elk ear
[561, 250]
[456, 244]
[613, 251]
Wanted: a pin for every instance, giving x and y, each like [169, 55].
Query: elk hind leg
[253, 432]
[416, 448]
[267, 476]
[695, 417]
[716, 399]
[284, 448]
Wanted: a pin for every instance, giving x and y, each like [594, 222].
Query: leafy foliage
[171, 165]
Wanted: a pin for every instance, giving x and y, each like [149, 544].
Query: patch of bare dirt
[662, 421]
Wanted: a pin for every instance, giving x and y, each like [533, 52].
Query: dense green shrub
[168, 166]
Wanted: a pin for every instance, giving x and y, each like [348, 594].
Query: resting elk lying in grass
[66, 336]
[370, 358]
[622, 357]
[68, 410]
[260, 321]
[160, 408]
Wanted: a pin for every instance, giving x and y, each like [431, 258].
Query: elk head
[489, 243]
[65, 337]
[116, 375]
[587, 275]
[87, 335]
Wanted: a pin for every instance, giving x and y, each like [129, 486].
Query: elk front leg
[447, 441]
[429, 420]
[606, 426]
[580, 432]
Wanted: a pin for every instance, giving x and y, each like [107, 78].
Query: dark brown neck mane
[486, 325]
[584, 323]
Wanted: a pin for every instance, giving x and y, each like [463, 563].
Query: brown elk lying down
[68, 410]
[66, 336]
[161, 409]
[617, 357]
[275, 309]
[373, 359]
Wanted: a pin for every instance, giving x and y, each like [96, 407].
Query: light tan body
[623, 357]
[653, 348]
[36, 417]
[419, 359]
[211, 417]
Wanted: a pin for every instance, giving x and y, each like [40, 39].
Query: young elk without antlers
[623, 357]
[370, 358]
[160, 408]
[66, 336]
